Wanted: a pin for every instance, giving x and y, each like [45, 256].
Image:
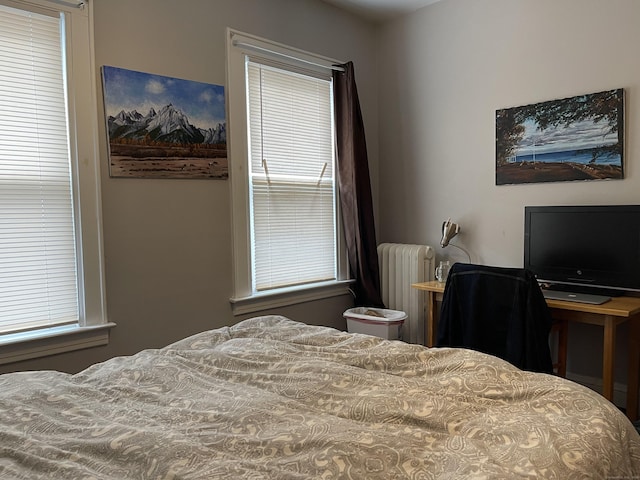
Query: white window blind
[292, 182]
[38, 271]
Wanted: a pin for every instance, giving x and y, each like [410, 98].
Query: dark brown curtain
[355, 190]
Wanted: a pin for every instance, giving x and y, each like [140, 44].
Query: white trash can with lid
[379, 322]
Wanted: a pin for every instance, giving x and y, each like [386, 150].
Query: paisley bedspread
[276, 399]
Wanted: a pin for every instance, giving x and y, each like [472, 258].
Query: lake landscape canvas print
[163, 127]
[576, 138]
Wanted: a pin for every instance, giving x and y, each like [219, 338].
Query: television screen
[587, 248]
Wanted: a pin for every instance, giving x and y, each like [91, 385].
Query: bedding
[277, 399]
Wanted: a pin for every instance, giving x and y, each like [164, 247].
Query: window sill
[291, 296]
[28, 345]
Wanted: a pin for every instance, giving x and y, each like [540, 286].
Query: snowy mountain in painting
[169, 125]
[126, 118]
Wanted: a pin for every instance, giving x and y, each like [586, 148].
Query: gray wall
[168, 242]
[447, 69]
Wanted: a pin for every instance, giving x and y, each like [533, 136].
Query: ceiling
[381, 10]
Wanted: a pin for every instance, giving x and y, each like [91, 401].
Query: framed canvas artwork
[162, 127]
[576, 138]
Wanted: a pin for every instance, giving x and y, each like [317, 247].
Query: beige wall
[446, 70]
[168, 242]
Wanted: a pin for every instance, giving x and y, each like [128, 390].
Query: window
[285, 208]
[51, 275]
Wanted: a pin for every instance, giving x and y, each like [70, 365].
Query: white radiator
[400, 266]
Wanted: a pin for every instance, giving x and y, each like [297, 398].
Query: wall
[168, 242]
[446, 69]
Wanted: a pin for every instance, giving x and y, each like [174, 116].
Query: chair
[499, 311]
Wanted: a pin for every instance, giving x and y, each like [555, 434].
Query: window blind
[292, 180]
[38, 271]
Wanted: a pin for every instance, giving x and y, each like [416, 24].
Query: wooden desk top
[617, 306]
[432, 286]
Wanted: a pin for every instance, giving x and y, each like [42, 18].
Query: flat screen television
[585, 249]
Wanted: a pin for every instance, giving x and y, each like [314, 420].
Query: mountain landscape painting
[162, 127]
[576, 138]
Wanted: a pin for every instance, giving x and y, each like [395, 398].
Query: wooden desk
[608, 315]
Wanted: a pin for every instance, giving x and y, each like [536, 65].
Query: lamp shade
[449, 230]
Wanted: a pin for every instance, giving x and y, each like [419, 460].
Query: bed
[274, 398]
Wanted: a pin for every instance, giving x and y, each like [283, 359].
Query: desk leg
[431, 306]
[608, 358]
[633, 370]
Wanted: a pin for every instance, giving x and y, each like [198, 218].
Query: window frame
[93, 326]
[244, 299]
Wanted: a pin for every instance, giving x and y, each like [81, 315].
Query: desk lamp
[450, 230]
